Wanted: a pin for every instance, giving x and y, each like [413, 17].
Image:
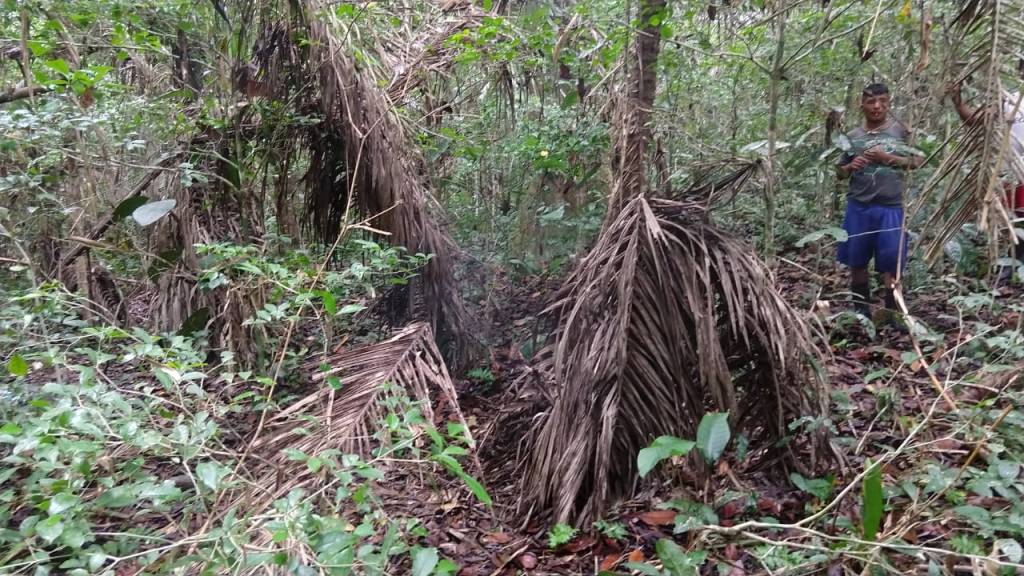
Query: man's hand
[962, 109]
[879, 156]
[953, 91]
[857, 163]
[844, 171]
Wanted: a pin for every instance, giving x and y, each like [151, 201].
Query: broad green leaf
[330, 304]
[351, 308]
[648, 458]
[129, 205]
[424, 560]
[676, 561]
[643, 568]
[820, 488]
[662, 447]
[1008, 470]
[477, 489]
[977, 514]
[195, 322]
[61, 502]
[96, 561]
[455, 467]
[875, 375]
[17, 365]
[50, 529]
[211, 473]
[838, 234]
[74, 536]
[153, 211]
[58, 65]
[872, 505]
[118, 497]
[1011, 549]
[446, 568]
[713, 435]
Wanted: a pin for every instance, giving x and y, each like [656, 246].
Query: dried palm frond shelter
[666, 315]
[360, 161]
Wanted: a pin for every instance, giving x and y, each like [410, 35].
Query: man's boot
[861, 297]
[890, 299]
[893, 316]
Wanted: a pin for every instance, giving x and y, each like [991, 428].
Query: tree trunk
[632, 132]
[773, 118]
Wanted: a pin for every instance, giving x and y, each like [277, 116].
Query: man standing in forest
[874, 162]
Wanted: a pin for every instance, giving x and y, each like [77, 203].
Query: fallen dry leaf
[527, 561]
[579, 544]
[610, 562]
[636, 556]
[658, 517]
[732, 509]
[497, 538]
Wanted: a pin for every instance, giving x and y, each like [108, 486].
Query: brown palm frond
[968, 184]
[666, 315]
[718, 182]
[346, 419]
[361, 159]
[205, 213]
[430, 54]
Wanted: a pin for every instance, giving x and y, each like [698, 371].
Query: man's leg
[888, 286]
[892, 250]
[860, 285]
[857, 251]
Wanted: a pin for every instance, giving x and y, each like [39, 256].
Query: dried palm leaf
[362, 160]
[346, 418]
[205, 213]
[430, 54]
[665, 316]
[718, 182]
[968, 183]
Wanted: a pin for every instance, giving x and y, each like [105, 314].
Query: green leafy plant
[871, 512]
[560, 534]
[662, 447]
[820, 488]
[712, 437]
[675, 560]
[613, 530]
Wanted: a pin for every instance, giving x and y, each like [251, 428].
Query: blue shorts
[875, 231]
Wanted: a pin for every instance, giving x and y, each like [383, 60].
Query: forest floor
[878, 397]
[881, 393]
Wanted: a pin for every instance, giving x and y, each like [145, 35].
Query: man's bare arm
[962, 109]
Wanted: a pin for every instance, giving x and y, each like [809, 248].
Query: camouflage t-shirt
[875, 183]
